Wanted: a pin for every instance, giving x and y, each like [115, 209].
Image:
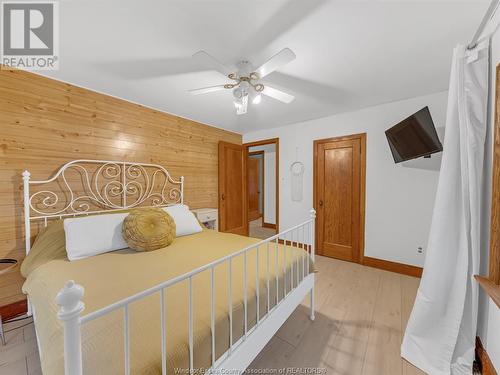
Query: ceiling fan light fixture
[241, 109]
[238, 93]
[245, 85]
[238, 103]
[258, 87]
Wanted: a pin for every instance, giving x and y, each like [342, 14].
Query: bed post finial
[69, 299]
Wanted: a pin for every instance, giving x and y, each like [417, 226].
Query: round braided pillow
[148, 229]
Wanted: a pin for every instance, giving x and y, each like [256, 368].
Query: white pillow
[93, 235]
[185, 221]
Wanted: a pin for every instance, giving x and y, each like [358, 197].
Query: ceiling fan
[245, 81]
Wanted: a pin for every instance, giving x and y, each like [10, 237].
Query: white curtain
[440, 336]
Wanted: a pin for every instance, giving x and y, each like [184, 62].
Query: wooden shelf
[491, 289]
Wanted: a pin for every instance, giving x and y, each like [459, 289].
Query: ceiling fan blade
[210, 61]
[206, 90]
[278, 94]
[283, 57]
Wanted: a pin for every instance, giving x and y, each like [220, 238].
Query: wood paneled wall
[45, 123]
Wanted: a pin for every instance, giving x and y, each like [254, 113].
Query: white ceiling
[350, 54]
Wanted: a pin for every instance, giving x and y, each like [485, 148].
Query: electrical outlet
[420, 250]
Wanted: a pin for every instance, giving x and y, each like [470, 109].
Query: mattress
[110, 277]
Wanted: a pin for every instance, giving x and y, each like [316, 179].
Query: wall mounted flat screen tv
[414, 137]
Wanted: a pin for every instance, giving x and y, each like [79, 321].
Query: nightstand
[208, 216]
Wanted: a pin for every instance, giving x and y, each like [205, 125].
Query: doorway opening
[262, 188]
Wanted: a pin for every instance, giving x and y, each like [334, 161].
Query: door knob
[321, 203]
[222, 196]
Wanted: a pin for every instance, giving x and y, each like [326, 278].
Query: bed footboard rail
[297, 273]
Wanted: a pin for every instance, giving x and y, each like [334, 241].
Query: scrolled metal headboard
[83, 187]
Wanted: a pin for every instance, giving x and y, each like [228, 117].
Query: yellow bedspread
[113, 276]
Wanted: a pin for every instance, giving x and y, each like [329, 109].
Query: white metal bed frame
[134, 185]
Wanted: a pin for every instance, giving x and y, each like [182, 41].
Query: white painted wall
[489, 313]
[269, 181]
[399, 200]
[270, 186]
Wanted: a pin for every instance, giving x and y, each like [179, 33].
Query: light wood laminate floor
[256, 230]
[20, 355]
[361, 315]
[360, 320]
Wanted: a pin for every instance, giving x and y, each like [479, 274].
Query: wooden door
[232, 189]
[254, 178]
[339, 196]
